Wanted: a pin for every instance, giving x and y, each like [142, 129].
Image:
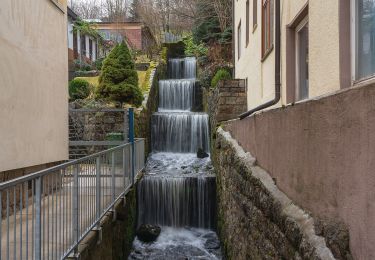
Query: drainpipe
[277, 66]
[233, 40]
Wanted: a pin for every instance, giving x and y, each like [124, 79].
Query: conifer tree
[119, 80]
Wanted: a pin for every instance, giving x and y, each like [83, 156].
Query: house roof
[72, 14]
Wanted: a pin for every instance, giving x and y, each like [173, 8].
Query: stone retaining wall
[227, 101]
[258, 221]
[150, 105]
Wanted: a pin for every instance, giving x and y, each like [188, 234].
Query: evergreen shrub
[118, 80]
[79, 89]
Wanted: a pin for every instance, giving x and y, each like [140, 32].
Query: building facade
[33, 83]
[316, 139]
[325, 46]
[82, 47]
[136, 34]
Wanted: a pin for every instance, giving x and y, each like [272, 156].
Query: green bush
[127, 93]
[193, 49]
[221, 74]
[118, 80]
[79, 89]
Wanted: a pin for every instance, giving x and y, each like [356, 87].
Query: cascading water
[178, 191]
[184, 68]
[176, 95]
[179, 132]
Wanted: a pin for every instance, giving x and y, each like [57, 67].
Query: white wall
[324, 66]
[33, 84]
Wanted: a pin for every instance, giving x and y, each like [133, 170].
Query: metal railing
[45, 215]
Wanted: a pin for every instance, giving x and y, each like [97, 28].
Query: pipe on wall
[277, 65]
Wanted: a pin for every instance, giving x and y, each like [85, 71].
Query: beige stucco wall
[33, 83]
[324, 54]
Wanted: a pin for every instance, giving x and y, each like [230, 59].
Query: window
[363, 38]
[255, 14]
[302, 60]
[247, 22]
[90, 49]
[239, 45]
[83, 44]
[267, 27]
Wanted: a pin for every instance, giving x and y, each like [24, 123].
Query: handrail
[40, 173]
[56, 208]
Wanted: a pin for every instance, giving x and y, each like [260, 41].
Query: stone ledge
[259, 189]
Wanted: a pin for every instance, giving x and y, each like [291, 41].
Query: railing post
[98, 197]
[113, 183]
[98, 190]
[38, 220]
[131, 140]
[75, 195]
[124, 172]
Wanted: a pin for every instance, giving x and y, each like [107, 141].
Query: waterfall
[179, 132]
[176, 95]
[184, 68]
[177, 201]
[178, 188]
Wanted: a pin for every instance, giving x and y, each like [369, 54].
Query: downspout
[233, 40]
[277, 65]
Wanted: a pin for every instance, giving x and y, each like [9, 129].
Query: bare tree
[117, 10]
[109, 10]
[223, 10]
[89, 9]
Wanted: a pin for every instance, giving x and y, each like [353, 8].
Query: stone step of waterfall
[182, 94]
[182, 68]
[181, 132]
[177, 202]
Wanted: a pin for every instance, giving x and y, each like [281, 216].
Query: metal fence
[45, 215]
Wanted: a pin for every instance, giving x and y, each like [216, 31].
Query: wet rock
[148, 233]
[212, 242]
[202, 154]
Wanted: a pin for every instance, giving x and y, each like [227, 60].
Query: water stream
[178, 191]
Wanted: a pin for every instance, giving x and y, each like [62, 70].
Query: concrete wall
[321, 154]
[258, 221]
[324, 60]
[33, 83]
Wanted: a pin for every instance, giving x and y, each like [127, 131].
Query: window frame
[239, 39]
[354, 45]
[247, 22]
[267, 28]
[255, 14]
[304, 22]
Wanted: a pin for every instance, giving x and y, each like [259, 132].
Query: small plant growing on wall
[118, 80]
[221, 74]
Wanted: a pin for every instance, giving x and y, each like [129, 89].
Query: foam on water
[179, 243]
